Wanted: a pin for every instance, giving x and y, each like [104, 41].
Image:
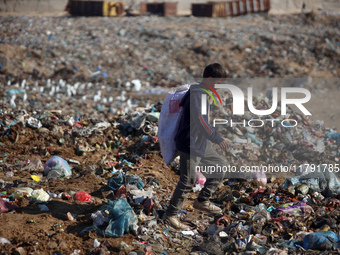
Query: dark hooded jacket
[194, 129]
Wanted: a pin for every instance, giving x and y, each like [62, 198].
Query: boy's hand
[224, 145]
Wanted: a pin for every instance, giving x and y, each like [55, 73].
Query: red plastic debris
[82, 196]
[259, 191]
[5, 206]
[149, 204]
[223, 220]
[121, 192]
[65, 196]
[334, 203]
[282, 219]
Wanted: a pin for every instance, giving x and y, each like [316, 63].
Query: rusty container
[249, 6]
[96, 8]
[143, 9]
[242, 7]
[229, 9]
[202, 10]
[256, 5]
[219, 9]
[154, 8]
[170, 9]
[235, 8]
[212, 9]
[167, 9]
[86, 8]
[113, 9]
[266, 5]
[261, 5]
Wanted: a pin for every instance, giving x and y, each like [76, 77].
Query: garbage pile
[44, 157]
[76, 99]
[105, 179]
[165, 51]
[276, 140]
[80, 165]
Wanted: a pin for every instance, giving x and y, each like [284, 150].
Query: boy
[194, 142]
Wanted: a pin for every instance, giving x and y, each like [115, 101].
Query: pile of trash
[276, 141]
[166, 51]
[91, 99]
[81, 170]
[263, 212]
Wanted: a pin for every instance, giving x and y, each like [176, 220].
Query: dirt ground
[46, 232]
[52, 232]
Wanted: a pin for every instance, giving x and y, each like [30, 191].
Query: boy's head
[214, 73]
[214, 70]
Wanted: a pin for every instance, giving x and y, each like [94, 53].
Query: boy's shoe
[207, 206]
[174, 222]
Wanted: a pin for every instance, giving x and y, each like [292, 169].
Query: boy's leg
[212, 159]
[185, 184]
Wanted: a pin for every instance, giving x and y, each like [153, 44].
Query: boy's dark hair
[215, 70]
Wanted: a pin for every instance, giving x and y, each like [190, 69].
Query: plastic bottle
[261, 208]
[323, 240]
[4, 241]
[253, 138]
[261, 212]
[321, 211]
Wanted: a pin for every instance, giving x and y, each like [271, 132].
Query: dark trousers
[188, 166]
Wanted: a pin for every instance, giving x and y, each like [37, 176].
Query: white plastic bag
[57, 167]
[40, 195]
[169, 121]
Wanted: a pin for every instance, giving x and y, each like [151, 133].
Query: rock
[63, 245]
[43, 130]
[20, 251]
[52, 245]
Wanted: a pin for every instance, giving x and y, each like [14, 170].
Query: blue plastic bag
[253, 138]
[122, 217]
[15, 91]
[134, 180]
[117, 207]
[291, 244]
[317, 179]
[115, 182]
[321, 241]
[92, 228]
[120, 226]
[334, 136]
